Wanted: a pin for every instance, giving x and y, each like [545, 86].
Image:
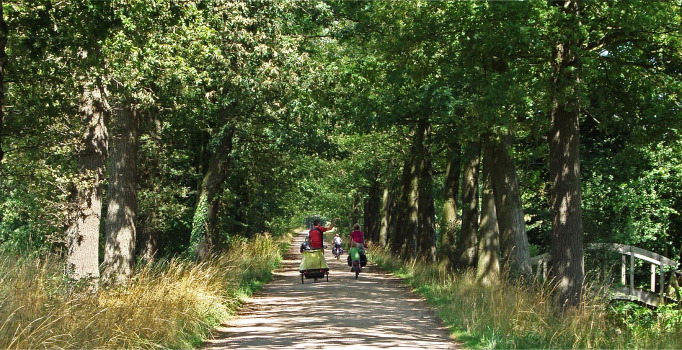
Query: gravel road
[373, 312]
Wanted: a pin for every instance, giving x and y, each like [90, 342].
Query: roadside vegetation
[181, 126]
[172, 303]
[516, 315]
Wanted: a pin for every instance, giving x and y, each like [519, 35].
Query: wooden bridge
[659, 265]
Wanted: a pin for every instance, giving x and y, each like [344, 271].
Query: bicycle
[337, 251]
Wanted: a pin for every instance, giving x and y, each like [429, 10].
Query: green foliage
[289, 75]
[645, 325]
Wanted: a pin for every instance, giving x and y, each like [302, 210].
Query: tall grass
[520, 315]
[170, 304]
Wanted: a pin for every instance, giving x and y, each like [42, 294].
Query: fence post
[661, 277]
[653, 278]
[622, 270]
[545, 268]
[632, 272]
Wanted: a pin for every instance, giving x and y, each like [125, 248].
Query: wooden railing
[659, 264]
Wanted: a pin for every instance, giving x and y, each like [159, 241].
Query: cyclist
[315, 236]
[357, 238]
[337, 245]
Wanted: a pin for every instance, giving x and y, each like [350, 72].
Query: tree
[427, 226]
[372, 210]
[564, 145]
[3, 63]
[488, 266]
[82, 235]
[449, 216]
[120, 228]
[513, 240]
[468, 239]
[205, 237]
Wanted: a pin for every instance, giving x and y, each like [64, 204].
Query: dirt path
[375, 311]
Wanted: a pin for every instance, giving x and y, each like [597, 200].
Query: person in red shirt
[315, 236]
[357, 238]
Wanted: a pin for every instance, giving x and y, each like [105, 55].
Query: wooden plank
[537, 259]
[638, 295]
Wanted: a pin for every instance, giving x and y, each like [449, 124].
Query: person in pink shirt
[357, 238]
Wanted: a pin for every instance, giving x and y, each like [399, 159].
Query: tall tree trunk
[394, 217]
[488, 267]
[385, 217]
[564, 148]
[427, 226]
[205, 237]
[3, 63]
[148, 242]
[408, 220]
[513, 238]
[82, 235]
[372, 211]
[358, 208]
[119, 251]
[412, 209]
[468, 239]
[397, 237]
[449, 221]
[149, 232]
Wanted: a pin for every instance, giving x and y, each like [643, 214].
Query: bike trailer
[313, 265]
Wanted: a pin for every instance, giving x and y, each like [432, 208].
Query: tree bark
[564, 148]
[82, 235]
[408, 215]
[449, 222]
[427, 239]
[205, 237]
[394, 217]
[385, 216]
[488, 267]
[3, 63]
[119, 251]
[372, 212]
[513, 239]
[468, 239]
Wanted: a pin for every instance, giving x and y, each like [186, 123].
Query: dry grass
[520, 315]
[167, 305]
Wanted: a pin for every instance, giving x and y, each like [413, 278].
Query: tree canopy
[249, 116]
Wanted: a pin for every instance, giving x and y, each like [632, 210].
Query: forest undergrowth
[520, 315]
[172, 303]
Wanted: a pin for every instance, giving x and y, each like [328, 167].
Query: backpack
[315, 238]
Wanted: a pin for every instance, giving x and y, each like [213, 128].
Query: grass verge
[515, 315]
[169, 304]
